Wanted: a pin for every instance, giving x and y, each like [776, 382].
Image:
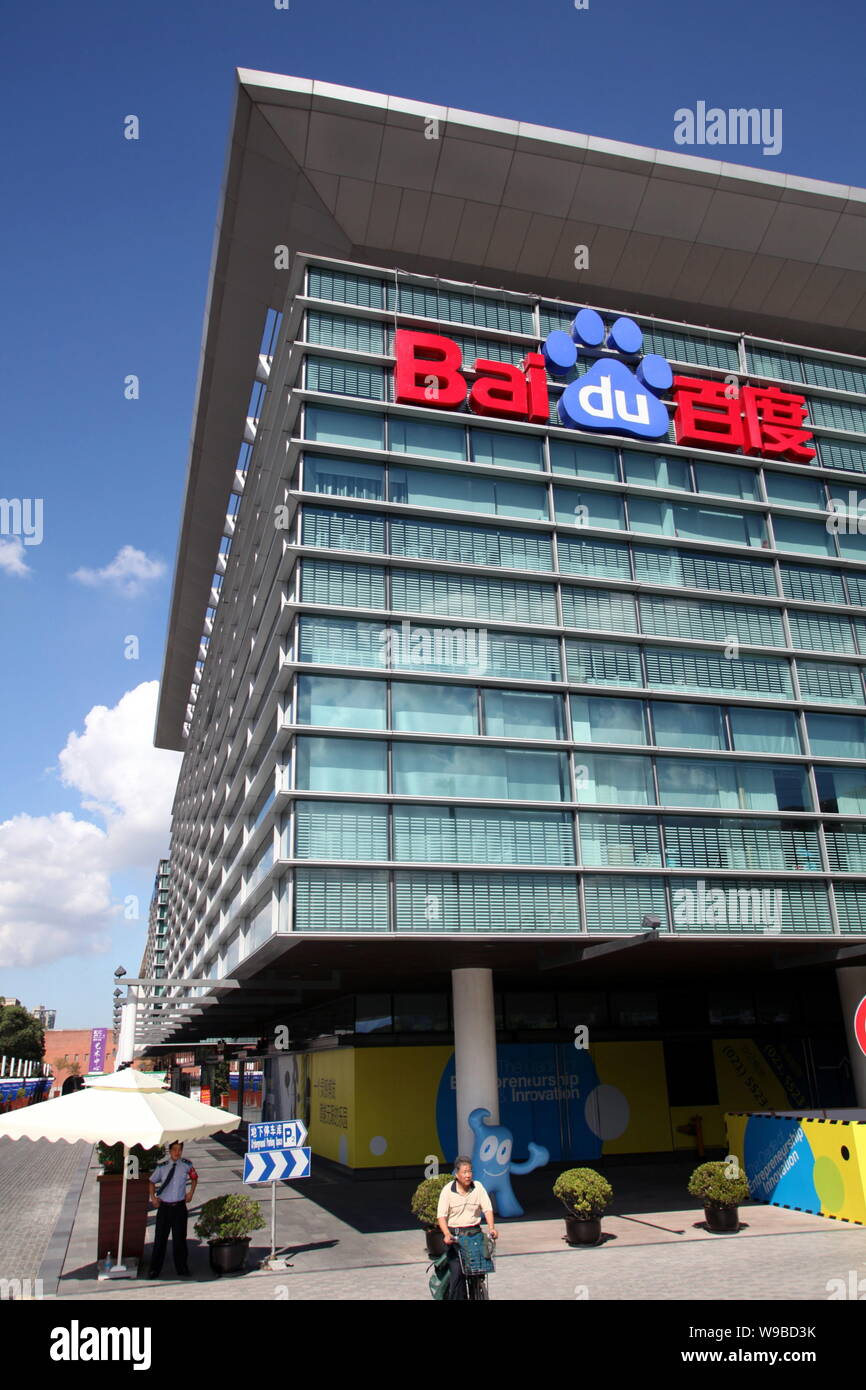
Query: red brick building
[68, 1052]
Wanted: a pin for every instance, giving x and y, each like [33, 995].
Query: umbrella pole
[120, 1265]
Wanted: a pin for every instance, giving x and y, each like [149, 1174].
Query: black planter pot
[228, 1256]
[723, 1221]
[580, 1232]
[435, 1241]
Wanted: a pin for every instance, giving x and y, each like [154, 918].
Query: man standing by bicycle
[461, 1206]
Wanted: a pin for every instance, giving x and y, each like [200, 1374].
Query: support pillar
[474, 1050]
[851, 981]
[126, 1035]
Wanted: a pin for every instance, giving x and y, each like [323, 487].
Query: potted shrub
[721, 1196]
[586, 1195]
[425, 1200]
[227, 1223]
[110, 1181]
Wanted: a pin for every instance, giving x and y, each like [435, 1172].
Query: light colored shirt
[183, 1175]
[463, 1208]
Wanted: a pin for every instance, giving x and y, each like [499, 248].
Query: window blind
[714, 622]
[341, 899]
[603, 609]
[477, 836]
[474, 545]
[340, 830]
[619, 904]
[351, 586]
[341, 530]
[346, 378]
[424, 591]
[812, 584]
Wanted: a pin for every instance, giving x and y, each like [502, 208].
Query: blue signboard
[277, 1165]
[279, 1134]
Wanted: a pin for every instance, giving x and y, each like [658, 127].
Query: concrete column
[126, 1036]
[851, 980]
[474, 1050]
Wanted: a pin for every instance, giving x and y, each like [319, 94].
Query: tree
[64, 1064]
[21, 1034]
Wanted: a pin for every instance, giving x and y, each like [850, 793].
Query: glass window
[427, 437]
[343, 703]
[727, 480]
[688, 726]
[338, 477]
[731, 1007]
[434, 709]
[420, 1013]
[516, 774]
[585, 507]
[657, 470]
[693, 782]
[613, 779]
[599, 720]
[837, 735]
[810, 537]
[520, 714]
[425, 487]
[842, 790]
[647, 514]
[634, 1010]
[764, 787]
[749, 786]
[620, 839]
[795, 490]
[583, 460]
[587, 1008]
[342, 765]
[530, 1010]
[361, 428]
[764, 730]
[711, 524]
[507, 450]
[373, 1013]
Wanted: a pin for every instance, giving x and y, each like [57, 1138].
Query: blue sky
[105, 247]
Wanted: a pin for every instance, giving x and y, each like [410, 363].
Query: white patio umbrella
[124, 1107]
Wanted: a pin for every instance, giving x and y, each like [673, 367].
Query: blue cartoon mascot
[491, 1162]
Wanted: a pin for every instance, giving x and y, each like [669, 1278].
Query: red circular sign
[860, 1024]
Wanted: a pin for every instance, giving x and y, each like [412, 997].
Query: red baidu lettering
[753, 419]
[774, 423]
[428, 370]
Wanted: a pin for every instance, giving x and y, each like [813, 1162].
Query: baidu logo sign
[610, 396]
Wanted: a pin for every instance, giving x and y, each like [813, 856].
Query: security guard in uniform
[168, 1193]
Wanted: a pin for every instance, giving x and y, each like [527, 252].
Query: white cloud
[55, 897]
[55, 870]
[123, 778]
[12, 556]
[129, 572]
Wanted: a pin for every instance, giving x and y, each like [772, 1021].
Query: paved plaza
[35, 1181]
[355, 1240]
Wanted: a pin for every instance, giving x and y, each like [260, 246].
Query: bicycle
[475, 1253]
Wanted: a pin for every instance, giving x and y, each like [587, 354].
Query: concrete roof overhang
[339, 172]
[292, 973]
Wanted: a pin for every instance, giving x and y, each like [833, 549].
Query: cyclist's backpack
[440, 1279]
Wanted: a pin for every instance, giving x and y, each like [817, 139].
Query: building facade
[532, 665]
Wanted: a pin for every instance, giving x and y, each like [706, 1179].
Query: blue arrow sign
[278, 1134]
[277, 1165]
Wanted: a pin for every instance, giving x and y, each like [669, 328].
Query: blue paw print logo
[610, 396]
